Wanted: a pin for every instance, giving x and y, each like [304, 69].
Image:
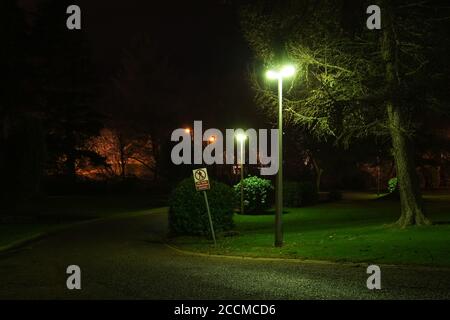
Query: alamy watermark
[374, 280]
[74, 20]
[74, 280]
[210, 147]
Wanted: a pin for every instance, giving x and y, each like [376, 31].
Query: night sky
[201, 40]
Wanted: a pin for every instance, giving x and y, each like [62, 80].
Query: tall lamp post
[241, 137]
[284, 72]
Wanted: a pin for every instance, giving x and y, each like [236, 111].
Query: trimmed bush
[188, 215]
[256, 194]
[297, 194]
[292, 194]
[334, 195]
[309, 193]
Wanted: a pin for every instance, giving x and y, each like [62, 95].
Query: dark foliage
[292, 195]
[334, 195]
[188, 214]
[297, 194]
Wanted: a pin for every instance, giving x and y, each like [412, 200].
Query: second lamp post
[284, 72]
[241, 137]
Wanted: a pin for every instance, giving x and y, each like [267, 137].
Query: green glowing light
[285, 72]
[241, 137]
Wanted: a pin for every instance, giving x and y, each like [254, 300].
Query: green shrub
[292, 194]
[188, 215]
[334, 195]
[309, 193]
[392, 185]
[256, 194]
[297, 194]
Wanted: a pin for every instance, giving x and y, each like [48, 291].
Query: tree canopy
[351, 82]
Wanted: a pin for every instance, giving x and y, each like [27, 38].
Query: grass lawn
[356, 229]
[30, 219]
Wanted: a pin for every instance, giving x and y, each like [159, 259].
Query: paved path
[125, 259]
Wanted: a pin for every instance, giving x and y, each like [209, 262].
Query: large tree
[352, 82]
[68, 88]
[142, 105]
[22, 148]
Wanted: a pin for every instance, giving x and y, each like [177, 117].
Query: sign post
[201, 181]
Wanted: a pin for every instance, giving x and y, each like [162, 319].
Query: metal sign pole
[210, 219]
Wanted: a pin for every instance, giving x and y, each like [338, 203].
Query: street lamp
[241, 137]
[188, 131]
[284, 72]
[212, 139]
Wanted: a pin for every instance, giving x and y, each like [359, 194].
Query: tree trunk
[155, 155]
[410, 196]
[319, 172]
[70, 166]
[123, 165]
[123, 160]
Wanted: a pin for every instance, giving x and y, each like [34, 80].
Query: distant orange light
[212, 139]
[187, 130]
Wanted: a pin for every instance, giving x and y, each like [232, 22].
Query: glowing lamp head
[272, 75]
[241, 137]
[212, 139]
[187, 131]
[287, 71]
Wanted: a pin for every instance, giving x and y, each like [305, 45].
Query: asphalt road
[125, 259]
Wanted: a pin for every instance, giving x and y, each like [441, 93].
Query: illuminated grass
[356, 230]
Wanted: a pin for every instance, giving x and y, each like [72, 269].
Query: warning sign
[201, 179]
